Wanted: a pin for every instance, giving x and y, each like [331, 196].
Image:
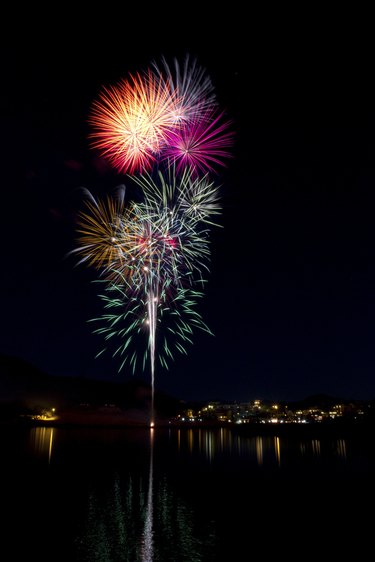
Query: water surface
[95, 495]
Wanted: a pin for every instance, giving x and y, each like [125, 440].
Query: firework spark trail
[152, 313]
[127, 318]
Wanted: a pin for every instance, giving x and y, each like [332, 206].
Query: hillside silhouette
[25, 388]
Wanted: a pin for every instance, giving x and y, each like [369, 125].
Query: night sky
[291, 291]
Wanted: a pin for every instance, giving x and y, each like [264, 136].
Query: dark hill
[322, 402]
[25, 386]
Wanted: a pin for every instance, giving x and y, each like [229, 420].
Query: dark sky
[291, 290]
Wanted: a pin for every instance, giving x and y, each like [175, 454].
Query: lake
[188, 494]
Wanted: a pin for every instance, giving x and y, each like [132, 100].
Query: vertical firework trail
[151, 254]
[152, 313]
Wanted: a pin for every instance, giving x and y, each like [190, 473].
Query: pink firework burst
[131, 120]
[199, 144]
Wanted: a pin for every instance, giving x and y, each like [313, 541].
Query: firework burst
[165, 114]
[162, 238]
[176, 213]
[107, 237]
[200, 144]
[133, 325]
[151, 255]
[130, 121]
[191, 86]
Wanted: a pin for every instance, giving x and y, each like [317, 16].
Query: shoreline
[337, 427]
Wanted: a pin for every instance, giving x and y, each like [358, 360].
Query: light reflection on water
[214, 443]
[315, 444]
[147, 542]
[41, 439]
[341, 448]
[168, 495]
[259, 450]
[121, 523]
[277, 449]
[210, 443]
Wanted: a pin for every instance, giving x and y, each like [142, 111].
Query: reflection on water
[209, 445]
[341, 448]
[315, 444]
[147, 550]
[161, 495]
[123, 520]
[259, 449]
[214, 443]
[41, 439]
[191, 440]
[277, 449]
[114, 522]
